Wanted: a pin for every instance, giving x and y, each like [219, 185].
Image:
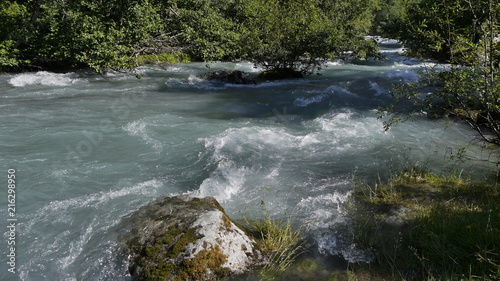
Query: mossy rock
[184, 238]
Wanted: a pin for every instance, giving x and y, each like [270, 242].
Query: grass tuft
[279, 242]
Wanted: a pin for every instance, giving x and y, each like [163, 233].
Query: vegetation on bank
[56, 34]
[424, 227]
[465, 34]
[163, 58]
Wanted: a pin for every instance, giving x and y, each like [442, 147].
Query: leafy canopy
[466, 34]
[275, 34]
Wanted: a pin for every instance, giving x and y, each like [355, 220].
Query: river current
[89, 149]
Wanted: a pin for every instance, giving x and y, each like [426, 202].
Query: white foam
[303, 102]
[140, 129]
[324, 210]
[345, 130]
[409, 63]
[275, 172]
[330, 243]
[34, 160]
[379, 91]
[334, 63]
[59, 209]
[240, 154]
[76, 247]
[176, 68]
[60, 232]
[339, 91]
[335, 199]
[232, 140]
[337, 120]
[328, 223]
[174, 82]
[247, 67]
[193, 81]
[309, 139]
[43, 78]
[404, 74]
[397, 51]
[225, 182]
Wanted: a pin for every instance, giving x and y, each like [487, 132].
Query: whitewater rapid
[89, 149]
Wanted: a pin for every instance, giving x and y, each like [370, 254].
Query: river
[88, 149]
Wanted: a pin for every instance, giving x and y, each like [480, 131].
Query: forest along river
[89, 149]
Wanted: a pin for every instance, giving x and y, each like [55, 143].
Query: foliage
[11, 17]
[390, 16]
[464, 33]
[302, 35]
[96, 33]
[206, 29]
[448, 229]
[63, 34]
[448, 30]
[468, 93]
[113, 34]
[163, 58]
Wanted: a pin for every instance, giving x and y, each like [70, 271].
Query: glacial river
[88, 149]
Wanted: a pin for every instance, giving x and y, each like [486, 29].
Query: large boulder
[184, 238]
[229, 76]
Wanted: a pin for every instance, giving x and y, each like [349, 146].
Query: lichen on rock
[184, 238]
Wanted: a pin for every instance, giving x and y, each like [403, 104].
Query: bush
[302, 35]
[298, 35]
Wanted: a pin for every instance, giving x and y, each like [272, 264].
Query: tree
[302, 35]
[277, 34]
[11, 19]
[447, 30]
[390, 16]
[209, 30]
[470, 88]
[71, 33]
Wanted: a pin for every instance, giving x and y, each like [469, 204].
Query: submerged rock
[229, 76]
[183, 238]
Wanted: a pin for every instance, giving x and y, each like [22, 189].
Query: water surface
[90, 149]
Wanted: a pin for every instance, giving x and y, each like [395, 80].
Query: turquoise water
[89, 149]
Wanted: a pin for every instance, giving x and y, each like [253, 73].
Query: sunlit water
[89, 149]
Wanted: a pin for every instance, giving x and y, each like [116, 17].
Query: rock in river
[229, 76]
[184, 238]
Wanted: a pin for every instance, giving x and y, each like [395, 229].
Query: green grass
[279, 241]
[425, 227]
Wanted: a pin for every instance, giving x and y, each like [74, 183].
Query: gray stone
[229, 76]
[184, 238]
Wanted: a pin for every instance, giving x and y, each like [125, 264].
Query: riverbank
[424, 227]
